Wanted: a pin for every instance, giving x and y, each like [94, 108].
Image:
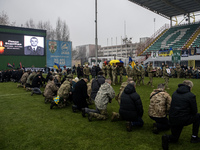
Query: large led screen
[15, 44]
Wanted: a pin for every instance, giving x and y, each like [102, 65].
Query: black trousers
[161, 123]
[176, 130]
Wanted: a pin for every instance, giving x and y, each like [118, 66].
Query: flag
[56, 66]
[56, 99]
[9, 65]
[13, 65]
[132, 62]
[20, 64]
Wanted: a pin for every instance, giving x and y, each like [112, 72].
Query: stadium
[28, 122]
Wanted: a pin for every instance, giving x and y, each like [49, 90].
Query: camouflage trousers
[114, 78]
[142, 79]
[109, 76]
[121, 78]
[150, 79]
[118, 99]
[21, 85]
[135, 78]
[178, 74]
[138, 79]
[102, 115]
[166, 81]
[115, 116]
[49, 99]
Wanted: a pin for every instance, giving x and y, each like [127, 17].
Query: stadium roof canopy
[170, 8]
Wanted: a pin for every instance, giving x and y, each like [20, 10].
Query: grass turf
[27, 123]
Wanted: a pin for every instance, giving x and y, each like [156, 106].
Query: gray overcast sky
[80, 15]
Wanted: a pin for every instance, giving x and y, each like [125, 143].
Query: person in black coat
[131, 108]
[98, 69]
[94, 71]
[36, 84]
[78, 71]
[183, 112]
[80, 95]
[96, 83]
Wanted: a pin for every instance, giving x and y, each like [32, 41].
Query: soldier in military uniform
[163, 70]
[104, 95]
[137, 73]
[150, 74]
[23, 79]
[89, 91]
[104, 70]
[33, 49]
[172, 72]
[134, 74]
[121, 70]
[50, 90]
[142, 69]
[86, 72]
[64, 92]
[57, 79]
[160, 102]
[29, 81]
[166, 74]
[129, 70]
[178, 70]
[114, 73]
[109, 71]
[123, 85]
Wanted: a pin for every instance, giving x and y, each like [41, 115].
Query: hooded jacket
[131, 105]
[183, 105]
[104, 95]
[96, 83]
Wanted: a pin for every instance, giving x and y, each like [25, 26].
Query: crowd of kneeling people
[60, 92]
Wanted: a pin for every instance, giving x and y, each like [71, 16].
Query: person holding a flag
[129, 70]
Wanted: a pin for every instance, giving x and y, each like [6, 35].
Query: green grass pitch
[26, 123]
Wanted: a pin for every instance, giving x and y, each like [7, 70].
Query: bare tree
[30, 24]
[47, 26]
[4, 19]
[60, 33]
[59, 29]
[62, 30]
[65, 32]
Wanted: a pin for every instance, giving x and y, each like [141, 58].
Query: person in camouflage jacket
[129, 70]
[50, 90]
[142, 69]
[104, 70]
[105, 94]
[86, 72]
[159, 106]
[23, 79]
[109, 71]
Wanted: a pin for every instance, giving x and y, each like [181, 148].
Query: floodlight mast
[96, 40]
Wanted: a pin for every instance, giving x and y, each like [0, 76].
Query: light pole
[96, 40]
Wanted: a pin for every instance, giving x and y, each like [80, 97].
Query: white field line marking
[14, 94]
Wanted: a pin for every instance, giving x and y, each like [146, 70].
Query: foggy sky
[113, 17]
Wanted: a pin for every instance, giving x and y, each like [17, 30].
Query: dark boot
[128, 126]
[52, 104]
[195, 139]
